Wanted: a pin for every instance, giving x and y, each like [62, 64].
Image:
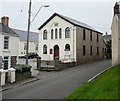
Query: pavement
[54, 85]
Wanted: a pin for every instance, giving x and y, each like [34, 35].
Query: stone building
[116, 35]
[69, 40]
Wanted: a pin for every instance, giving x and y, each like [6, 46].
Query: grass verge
[104, 86]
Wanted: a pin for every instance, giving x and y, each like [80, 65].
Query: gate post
[13, 61]
[38, 63]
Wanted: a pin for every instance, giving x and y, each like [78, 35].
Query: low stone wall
[22, 76]
[56, 66]
[61, 65]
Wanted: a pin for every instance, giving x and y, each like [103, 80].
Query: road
[58, 85]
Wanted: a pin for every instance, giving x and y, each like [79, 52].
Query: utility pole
[29, 16]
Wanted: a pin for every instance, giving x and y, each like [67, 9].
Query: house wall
[60, 42]
[115, 41]
[32, 46]
[87, 42]
[13, 47]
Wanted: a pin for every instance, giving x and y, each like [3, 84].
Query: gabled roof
[70, 20]
[33, 36]
[107, 37]
[5, 29]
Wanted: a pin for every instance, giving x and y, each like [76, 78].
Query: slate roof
[5, 29]
[107, 37]
[70, 20]
[33, 36]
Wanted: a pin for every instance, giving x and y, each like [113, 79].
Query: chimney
[116, 8]
[5, 20]
[106, 33]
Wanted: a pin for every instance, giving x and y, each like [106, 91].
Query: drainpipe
[74, 33]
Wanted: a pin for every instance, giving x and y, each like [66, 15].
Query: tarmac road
[58, 85]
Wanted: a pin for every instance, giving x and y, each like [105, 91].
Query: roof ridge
[25, 30]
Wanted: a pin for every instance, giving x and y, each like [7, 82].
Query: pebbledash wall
[75, 41]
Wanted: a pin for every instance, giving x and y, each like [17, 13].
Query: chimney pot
[5, 20]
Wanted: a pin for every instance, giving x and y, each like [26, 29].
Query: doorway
[56, 52]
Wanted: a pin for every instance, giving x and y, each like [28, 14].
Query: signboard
[66, 52]
[67, 60]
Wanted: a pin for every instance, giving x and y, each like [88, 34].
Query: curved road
[58, 85]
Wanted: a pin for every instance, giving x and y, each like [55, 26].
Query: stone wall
[22, 76]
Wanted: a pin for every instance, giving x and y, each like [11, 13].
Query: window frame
[67, 32]
[56, 33]
[91, 50]
[52, 34]
[60, 33]
[45, 34]
[6, 42]
[97, 37]
[67, 46]
[45, 49]
[97, 50]
[84, 50]
[84, 34]
[6, 62]
[91, 35]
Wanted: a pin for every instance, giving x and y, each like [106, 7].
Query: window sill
[6, 50]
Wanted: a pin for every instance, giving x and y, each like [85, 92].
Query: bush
[22, 68]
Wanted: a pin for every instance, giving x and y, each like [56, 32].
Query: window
[67, 32]
[56, 33]
[97, 50]
[84, 34]
[67, 46]
[84, 50]
[90, 35]
[52, 34]
[60, 33]
[97, 38]
[91, 50]
[45, 34]
[36, 47]
[6, 42]
[6, 61]
[25, 46]
[45, 49]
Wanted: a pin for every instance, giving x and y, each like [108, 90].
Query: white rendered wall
[115, 41]
[60, 42]
[32, 46]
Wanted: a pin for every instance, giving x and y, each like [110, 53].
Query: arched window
[45, 49]
[45, 34]
[56, 33]
[60, 33]
[67, 32]
[67, 47]
[52, 34]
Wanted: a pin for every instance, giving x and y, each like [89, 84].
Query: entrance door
[56, 52]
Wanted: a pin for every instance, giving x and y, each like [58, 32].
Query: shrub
[22, 68]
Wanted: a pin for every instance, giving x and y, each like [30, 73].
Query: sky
[96, 14]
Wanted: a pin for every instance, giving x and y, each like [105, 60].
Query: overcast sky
[96, 14]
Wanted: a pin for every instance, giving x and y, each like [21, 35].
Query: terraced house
[33, 42]
[9, 43]
[68, 40]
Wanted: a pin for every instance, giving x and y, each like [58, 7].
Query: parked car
[30, 56]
